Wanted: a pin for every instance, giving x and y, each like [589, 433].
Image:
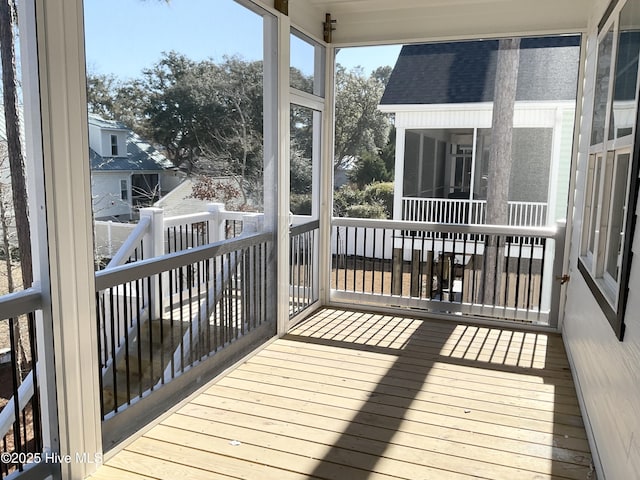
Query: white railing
[156, 234]
[130, 244]
[446, 268]
[470, 212]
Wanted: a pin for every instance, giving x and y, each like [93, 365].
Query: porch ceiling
[397, 21]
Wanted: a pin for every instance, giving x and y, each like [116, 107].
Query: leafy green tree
[101, 93]
[359, 125]
[206, 115]
[113, 99]
[369, 168]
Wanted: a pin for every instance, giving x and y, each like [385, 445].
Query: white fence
[470, 212]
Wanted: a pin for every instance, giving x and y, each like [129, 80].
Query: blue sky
[125, 36]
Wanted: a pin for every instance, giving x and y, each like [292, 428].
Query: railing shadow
[419, 346]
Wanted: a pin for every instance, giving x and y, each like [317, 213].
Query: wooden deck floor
[350, 395]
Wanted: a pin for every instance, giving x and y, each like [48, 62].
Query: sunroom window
[605, 247]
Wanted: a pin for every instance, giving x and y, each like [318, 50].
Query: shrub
[345, 197]
[373, 210]
[300, 204]
[380, 193]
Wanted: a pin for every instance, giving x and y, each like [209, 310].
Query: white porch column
[71, 300]
[69, 227]
[326, 180]
[283, 176]
[399, 174]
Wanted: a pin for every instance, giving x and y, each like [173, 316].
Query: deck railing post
[551, 287]
[154, 247]
[216, 224]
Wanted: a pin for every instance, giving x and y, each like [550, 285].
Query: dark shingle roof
[464, 72]
[140, 154]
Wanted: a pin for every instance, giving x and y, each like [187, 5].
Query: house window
[124, 190]
[114, 145]
[612, 169]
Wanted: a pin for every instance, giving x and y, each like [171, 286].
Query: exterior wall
[105, 195]
[470, 115]
[531, 162]
[170, 180]
[94, 138]
[606, 371]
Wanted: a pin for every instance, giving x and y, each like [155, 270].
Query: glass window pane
[623, 111]
[603, 72]
[307, 65]
[617, 215]
[302, 64]
[304, 150]
[605, 211]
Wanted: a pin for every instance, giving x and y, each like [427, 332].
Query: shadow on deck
[353, 395]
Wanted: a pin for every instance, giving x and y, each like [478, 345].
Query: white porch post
[276, 166]
[556, 146]
[399, 174]
[216, 227]
[154, 247]
[71, 300]
[472, 180]
[284, 33]
[326, 180]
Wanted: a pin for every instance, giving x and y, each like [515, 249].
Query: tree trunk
[14, 147]
[5, 223]
[500, 162]
[14, 151]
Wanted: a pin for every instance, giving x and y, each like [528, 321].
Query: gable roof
[464, 72]
[141, 155]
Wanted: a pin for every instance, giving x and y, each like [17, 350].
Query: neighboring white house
[126, 171]
[441, 95]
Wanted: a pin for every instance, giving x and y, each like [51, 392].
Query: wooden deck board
[351, 395]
